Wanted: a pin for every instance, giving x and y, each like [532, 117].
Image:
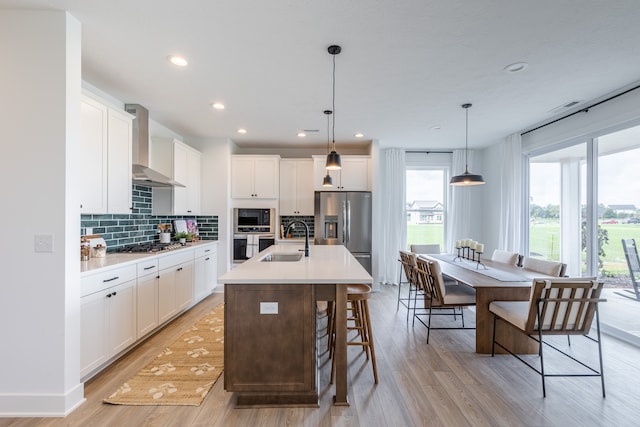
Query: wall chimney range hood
[141, 172]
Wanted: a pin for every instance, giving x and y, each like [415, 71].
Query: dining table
[492, 281]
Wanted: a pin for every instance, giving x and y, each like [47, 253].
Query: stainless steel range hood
[141, 172]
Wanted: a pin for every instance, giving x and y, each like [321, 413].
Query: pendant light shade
[466, 178]
[333, 158]
[327, 181]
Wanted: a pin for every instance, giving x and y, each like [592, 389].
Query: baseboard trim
[44, 405]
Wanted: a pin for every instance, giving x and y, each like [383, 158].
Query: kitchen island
[270, 323]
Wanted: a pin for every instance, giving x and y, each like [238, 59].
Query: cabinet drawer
[201, 251]
[148, 266]
[175, 259]
[106, 279]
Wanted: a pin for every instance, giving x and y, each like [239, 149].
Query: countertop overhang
[328, 264]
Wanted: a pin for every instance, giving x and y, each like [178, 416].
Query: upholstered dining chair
[563, 306]
[549, 268]
[425, 248]
[440, 295]
[408, 261]
[505, 257]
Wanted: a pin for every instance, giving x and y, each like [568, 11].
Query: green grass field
[545, 240]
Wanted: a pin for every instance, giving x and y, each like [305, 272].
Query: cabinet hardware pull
[157, 277]
[108, 295]
[114, 293]
[207, 250]
[180, 269]
[110, 280]
[149, 268]
[207, 259]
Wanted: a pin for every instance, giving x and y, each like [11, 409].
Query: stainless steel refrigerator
[344, 218]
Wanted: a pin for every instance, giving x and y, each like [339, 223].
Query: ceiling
[404, 71]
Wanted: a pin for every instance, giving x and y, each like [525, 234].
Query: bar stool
[357, 296]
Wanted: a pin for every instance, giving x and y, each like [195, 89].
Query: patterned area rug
[183, 373]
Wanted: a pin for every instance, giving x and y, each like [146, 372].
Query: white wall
[490, 203]
[40, 292]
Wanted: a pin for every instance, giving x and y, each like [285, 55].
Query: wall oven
[253, 231]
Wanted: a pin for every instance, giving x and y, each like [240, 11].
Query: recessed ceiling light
[241, 130]
[217, 106]
[516, 67]
[358, 134]
[302, 134]
[177, 60]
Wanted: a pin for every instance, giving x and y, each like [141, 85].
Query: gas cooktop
[148, 247]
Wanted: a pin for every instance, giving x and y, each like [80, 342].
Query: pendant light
[327, 181]
[466, 178]
[333, 158]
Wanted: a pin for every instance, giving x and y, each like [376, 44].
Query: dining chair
[549, 268]
[425, 248]
[505, 257]
[440, 295]
[408, 261]
[563, 306]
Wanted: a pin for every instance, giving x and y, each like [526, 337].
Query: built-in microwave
[253, 220]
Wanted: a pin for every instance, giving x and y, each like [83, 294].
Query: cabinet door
[119, 163]
[354, 175]
[242, 178]
[304, 187]
[122, 316]
[93, 156]
[184, 285]
[181, 175]
[211, 271]
[93, 330]
[266, 177]
[193, 179]
[288, 187]
[166, 295]
[147, 303]
[199, 278]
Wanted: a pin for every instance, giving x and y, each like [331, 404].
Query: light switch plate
[268, 308]
[43, 243]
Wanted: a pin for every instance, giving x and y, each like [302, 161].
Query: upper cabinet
[105, 160]
[183, 164]
[354, 175]
[254, 177]
[296, 187]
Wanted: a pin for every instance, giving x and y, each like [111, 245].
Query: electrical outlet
[89, 231]
[43, 243]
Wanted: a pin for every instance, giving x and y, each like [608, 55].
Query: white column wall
[40, 81]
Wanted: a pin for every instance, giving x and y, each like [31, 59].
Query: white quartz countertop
[330, 264]
[118, 259]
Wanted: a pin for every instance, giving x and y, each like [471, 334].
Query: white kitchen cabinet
[254, 177]
[175, 286]
[205, 270]
[108, 317]
[147, 296]
[105, 159]
[354, 175]
[296, 187]
[183, 164]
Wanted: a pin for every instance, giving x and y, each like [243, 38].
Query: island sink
[282, 257]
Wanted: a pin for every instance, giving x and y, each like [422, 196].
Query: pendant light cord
[333, 104]
[466, 142]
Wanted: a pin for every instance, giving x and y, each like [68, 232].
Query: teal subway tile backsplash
[140, 226]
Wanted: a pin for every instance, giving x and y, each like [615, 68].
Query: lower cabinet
[175, 286]
[205, 271]
[148, 280]
[108, 324]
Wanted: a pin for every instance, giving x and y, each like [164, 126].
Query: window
[425, 205]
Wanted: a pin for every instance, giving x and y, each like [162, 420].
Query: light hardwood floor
[443, 383]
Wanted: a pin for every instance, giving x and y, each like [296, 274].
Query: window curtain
[393, 220]
[511, 193]
[460, 207]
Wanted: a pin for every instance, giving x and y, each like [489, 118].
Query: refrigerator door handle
[348, 221]
[344, 222]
